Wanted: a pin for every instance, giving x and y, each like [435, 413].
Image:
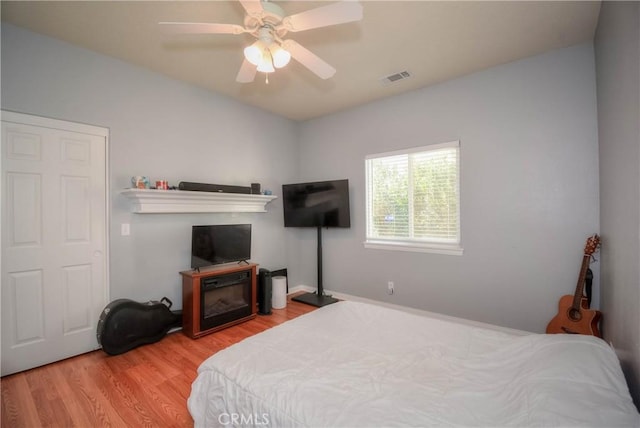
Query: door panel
[25, 213]
[54, 240]
[77, 316]
[25, 295]
[77, 209]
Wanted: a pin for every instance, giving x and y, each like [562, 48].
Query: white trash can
[279, 292]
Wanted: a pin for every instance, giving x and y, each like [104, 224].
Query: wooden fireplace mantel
[191, 297]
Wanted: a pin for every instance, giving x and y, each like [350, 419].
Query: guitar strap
[588, 280]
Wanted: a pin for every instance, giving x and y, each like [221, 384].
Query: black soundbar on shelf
[221, 188]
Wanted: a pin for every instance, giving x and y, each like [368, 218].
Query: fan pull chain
[266, 78]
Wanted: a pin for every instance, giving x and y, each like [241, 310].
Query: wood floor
[145, 387]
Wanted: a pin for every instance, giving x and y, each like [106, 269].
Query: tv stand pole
[318, 298]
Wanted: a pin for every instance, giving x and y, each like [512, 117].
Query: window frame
[399, 244]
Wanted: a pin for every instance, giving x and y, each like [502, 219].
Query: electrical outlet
[125, 229]
[390, 287]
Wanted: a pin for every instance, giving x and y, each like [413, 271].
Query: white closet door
[54, 239]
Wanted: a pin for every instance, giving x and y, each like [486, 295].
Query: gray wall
[162, 129]
[617, 48]
[529, 189]
[529, 174]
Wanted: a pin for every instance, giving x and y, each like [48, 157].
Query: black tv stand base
[314, 299]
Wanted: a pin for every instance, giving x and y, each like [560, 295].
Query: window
[413, 199]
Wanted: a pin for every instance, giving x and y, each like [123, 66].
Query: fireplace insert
[224, 298]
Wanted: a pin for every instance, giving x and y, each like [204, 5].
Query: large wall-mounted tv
[217, 244]
[317, 204]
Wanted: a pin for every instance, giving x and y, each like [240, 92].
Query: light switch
[125, 229]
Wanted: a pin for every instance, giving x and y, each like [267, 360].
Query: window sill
[449, 249]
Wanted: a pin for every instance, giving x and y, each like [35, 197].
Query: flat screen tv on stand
[317, 204]
[220, 243]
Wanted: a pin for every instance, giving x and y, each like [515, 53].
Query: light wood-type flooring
[145, 387]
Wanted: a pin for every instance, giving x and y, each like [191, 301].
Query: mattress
[353, 364]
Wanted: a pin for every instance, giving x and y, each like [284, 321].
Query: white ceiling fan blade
[202, 28]
[252, 7]
[308, 59]
[332, 14]
[247, 72]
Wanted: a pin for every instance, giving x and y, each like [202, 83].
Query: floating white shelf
[148, 201]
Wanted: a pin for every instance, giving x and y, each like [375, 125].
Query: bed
[354, 364]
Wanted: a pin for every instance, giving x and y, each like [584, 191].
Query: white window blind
[413, 200]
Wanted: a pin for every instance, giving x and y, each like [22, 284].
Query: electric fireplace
[217, 298]
[224, 298]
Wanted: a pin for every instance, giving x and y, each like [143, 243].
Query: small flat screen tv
[217, 244]
[317, 204]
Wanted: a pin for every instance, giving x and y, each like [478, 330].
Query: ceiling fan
[267, 22]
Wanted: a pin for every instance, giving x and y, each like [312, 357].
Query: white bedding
[359, 365]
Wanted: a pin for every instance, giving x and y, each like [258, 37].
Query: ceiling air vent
[393, 78]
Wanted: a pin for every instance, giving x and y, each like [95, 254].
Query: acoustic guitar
[574, 315]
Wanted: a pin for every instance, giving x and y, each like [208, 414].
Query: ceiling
[433, 41]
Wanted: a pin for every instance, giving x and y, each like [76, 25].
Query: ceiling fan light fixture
[266, 65]
[254, 52]
[280, 56]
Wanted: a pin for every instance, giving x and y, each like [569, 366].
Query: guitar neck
[577, 297]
